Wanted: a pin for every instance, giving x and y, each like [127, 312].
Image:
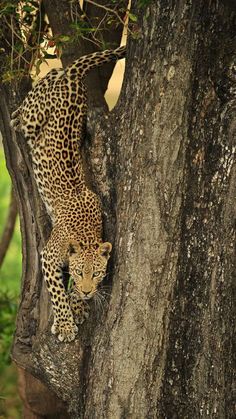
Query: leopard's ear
[74, 248]
[105, 249]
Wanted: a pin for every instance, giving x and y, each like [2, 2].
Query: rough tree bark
[163, 162]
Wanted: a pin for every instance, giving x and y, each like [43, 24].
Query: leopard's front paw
[81, 315]
[80, 308]
[66, 331]
[55, 328]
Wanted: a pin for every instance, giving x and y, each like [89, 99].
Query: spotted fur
[52, 119]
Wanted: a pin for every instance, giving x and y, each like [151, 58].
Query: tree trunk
[163, 163]
[165, 349]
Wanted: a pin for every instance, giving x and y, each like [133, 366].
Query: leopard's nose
[86, 292]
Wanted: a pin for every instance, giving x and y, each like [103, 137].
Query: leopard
[52, 119]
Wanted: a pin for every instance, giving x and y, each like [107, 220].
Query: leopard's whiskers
[105, 290]
[104, 293]
[98, 302]
[102, 298]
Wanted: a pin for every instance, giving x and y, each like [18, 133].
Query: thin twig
[12, 44]
[20, 55]
[99, 25]
[96, 42]
[40, 24]
[14, 32]
[108, 9]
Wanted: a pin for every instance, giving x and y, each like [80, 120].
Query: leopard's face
[88, 268]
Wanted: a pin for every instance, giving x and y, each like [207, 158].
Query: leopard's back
[56, 153]
[53, 120]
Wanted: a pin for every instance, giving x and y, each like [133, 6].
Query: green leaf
[144, 3]
[133, 17]
[37, 66]
[28, 9]
[49, 56]
[9, 9]
[64, 38]
[19, 47]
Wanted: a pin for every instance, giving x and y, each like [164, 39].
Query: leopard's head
[87, 266]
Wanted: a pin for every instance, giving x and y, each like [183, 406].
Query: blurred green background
[10, 277]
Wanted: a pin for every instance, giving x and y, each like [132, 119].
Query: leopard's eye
[79, 272]
[96, 274]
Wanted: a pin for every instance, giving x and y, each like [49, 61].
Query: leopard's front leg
[63, 324]
[80, 308]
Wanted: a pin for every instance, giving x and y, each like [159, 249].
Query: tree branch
[107, 9]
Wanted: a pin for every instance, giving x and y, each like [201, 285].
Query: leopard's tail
[82, 66]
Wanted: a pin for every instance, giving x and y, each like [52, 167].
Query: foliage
[22, 23]
[8, 309]
[28, 42]
[9, 289]
[10, 271]
[8, 390]
[144, 3]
